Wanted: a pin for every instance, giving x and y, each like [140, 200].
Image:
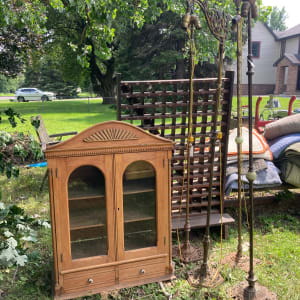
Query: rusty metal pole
[249, 291]
[214, 137]
[190, 23]
[239, 140]
[187, 227]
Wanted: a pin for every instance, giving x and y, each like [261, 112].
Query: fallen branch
[169, 296]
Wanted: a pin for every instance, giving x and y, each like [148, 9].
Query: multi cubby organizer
[161, 107]
[110, 209]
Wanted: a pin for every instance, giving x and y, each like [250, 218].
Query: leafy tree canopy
[277, 19]
[21, 27]
[46, 74]
[89, 36]
[89, 32]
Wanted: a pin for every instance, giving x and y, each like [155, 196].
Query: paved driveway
[6, 97]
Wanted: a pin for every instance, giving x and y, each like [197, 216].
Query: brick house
[276, 56]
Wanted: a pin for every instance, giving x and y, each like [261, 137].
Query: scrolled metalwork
[217, 20]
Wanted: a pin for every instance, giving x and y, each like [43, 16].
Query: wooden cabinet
[110, 209]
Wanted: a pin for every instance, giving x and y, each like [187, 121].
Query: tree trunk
[180, 69]
[103, 84]
[180, 63]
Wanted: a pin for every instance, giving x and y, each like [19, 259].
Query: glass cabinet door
[87, 212]
[139, 206]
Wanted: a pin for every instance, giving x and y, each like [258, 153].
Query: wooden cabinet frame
[109, 148]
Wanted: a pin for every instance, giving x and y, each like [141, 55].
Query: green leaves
[277, 18]
[17, 147]
[57, 4]
[16, 231]
[21, 30]
[12, 117]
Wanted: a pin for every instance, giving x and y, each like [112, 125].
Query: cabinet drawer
[88, 280]
[143, 270]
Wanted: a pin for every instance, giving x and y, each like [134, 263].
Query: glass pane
[87, 212]
[139, 200]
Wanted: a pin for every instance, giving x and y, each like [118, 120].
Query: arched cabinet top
[109, 138]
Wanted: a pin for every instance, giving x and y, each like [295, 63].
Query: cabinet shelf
[86, 226]
[138, 218]
[86, 197]
[92, 247]
[79, 194]
[91, 218]
[86, 218]
[139, 186]
[140, 239]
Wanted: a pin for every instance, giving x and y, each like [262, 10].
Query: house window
[255, 49]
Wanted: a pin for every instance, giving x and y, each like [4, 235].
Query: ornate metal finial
[245, 8]
[235, 21]
[249, 4]
[190, 19]
[254, 9]
[187, 17]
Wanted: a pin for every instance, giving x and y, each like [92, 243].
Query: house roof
[289, 33]
[294, 59]
[271, 31]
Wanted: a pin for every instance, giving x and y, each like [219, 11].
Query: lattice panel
[161, 107]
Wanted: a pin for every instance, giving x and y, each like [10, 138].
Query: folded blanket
[258, 164]
[293, 149]
[290, 164]
[284, 126]
[264, 178]
[260, 147]
[278, 145]
[290, 173]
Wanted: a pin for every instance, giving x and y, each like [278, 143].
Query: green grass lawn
[276, 239]
[277, 230]
[60, 116]
[63, 116]
[86, 95]
[81, 95]
[7, 94]
[284, 102]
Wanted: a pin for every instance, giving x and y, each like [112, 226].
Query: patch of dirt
[261, 292]
[213, 278]
[242, 262]
[195, 253]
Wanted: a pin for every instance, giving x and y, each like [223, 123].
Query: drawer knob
[142, 271]
[90, 280]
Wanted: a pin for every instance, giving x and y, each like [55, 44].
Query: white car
[33, 94]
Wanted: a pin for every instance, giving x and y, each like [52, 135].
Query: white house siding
[292, 45]
[264, 72]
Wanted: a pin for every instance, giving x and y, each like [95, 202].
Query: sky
[292, 8]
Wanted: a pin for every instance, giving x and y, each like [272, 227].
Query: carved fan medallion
[111, 134]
